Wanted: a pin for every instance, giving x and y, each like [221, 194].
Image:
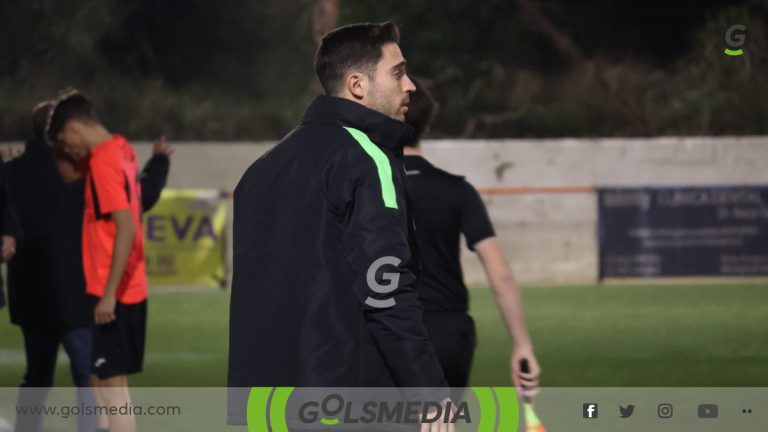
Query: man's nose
[409, 85]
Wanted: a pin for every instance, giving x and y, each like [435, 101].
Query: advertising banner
[185, 238]
[683, 231]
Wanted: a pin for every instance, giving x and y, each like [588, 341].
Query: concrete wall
[549, 237]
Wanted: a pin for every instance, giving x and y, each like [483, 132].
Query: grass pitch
[678, 335]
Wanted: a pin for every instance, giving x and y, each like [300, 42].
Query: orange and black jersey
[112, 184]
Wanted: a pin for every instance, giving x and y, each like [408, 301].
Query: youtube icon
[708, 411]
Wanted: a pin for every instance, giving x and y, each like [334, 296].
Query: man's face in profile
[71, 140]
[390, 87]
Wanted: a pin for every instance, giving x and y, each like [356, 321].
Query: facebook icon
[590, 410]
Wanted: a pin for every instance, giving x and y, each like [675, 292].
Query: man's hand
[526, 382]
[161, 147]
[440, 425]
[67, 169]
[9, 248]
[105, 310]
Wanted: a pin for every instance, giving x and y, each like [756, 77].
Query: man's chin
[399, 116]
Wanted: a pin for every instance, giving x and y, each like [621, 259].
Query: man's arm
[376, 244]
[12, 231]
[12, 228]
[155, 173]
[126, 231]
[510, 304]
[109, 186]
[375, 240]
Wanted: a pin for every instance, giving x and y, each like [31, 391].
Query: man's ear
[357, 84]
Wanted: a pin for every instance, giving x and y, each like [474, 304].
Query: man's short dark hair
[71, 105]
[421, 110]
[354, 47]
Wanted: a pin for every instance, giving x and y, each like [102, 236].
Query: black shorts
[118, 347]
[453, 336]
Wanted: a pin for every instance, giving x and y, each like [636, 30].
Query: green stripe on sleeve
[382, 166]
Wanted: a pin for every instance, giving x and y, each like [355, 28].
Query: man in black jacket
[322, 290]
[46, 285]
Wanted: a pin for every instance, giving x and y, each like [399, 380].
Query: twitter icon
[627, 411]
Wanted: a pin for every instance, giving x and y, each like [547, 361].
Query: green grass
[700, 335]
[692, 335]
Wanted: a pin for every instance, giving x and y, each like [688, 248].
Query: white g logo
[373, 284]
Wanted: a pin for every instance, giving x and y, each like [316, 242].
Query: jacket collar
[416, 162]
[384, 131]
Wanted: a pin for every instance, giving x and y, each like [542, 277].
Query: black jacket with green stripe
[322, 290]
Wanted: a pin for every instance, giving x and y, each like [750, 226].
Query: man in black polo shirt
[446, 206]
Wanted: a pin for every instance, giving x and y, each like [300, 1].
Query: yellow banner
[185, 238]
